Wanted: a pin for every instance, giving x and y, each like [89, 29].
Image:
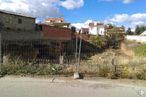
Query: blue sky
[80, 12]
[101, 10]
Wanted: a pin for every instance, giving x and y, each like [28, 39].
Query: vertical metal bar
[76, 53]
[79, 56]
[0, 53]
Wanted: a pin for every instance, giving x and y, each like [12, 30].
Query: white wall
[99, 30]
[141, 39]
[93, 30]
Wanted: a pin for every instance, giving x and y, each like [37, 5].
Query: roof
[15, 13]
[96, 24]
[100, 24]
[55, 19]
[58, 24]
[91, 24]
[85, 30]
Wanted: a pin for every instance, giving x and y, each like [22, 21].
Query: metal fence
[46, 51]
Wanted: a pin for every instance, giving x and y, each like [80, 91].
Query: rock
[76, 75]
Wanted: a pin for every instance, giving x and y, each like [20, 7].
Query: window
[20, 21]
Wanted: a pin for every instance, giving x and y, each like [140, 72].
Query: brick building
[54, 33]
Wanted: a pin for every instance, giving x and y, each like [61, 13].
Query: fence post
[0, 54]
[76, 53]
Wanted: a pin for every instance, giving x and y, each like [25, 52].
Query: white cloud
[119, 18]
[127, 1]
[82, 25]
[72, 4]
[124, 1]
[36, 8]
[39, 8]
[107, 0]
[138, 23]
[128, 20]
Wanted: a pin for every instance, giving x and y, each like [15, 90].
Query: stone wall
[17, 22]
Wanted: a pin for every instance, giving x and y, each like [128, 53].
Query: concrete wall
[141, 39]
[11, 21]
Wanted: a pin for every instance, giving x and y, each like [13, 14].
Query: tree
[129, 32]
[140, 29]
[110, 25]
[123, 26]
[98, 41]
[73, 29]
[137, 30]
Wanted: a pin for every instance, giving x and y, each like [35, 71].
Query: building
[18, 27]
[54, 20]
[114, 29]
[85, 30]
[16, 21]
[57, 34]
[57, 22]
[96, 28]
[18, 36]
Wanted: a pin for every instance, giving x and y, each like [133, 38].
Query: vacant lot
[67, 87]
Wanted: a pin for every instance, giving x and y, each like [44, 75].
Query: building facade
[96, 28]
[54, 20]
[57, 22]
[84, 30]
[15, 21]
[58, 34]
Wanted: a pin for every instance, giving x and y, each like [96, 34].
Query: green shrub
[98, 41]
[23, 68]
[140, 50]
[104, 71]
[113, 75]
[125, 72]
[141, 76]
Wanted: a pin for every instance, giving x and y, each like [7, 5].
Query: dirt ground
[16, 86]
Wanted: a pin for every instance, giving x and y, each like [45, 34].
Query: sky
[80, 12]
